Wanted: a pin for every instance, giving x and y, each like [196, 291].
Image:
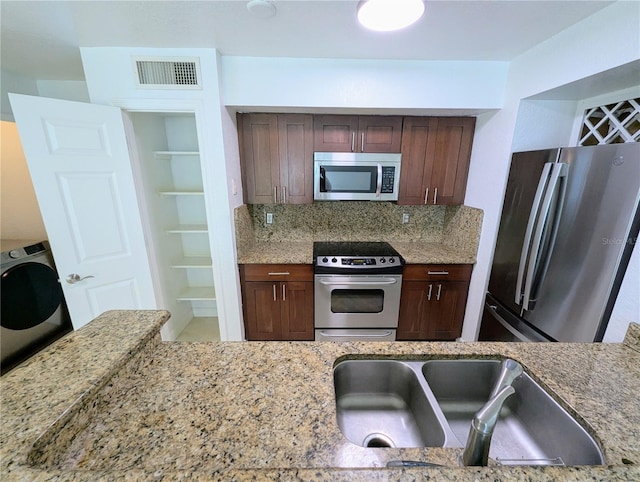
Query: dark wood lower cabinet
[280, 308]
[433, 302]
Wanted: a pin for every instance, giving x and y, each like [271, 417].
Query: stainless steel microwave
[355, 176]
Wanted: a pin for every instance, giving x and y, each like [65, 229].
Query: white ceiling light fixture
[389, 15]
[261, 8]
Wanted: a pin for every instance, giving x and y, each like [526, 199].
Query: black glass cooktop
[353, 248]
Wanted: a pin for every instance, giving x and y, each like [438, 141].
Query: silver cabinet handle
[426, 196]
[74, 278]
[435, 196]
[275, 195]
[438, 293]
[274, 293]
[279, 273]
[438, 272]
[284, 292]
[362, 142]
[353, 141]
[429, 294]
[284, 195]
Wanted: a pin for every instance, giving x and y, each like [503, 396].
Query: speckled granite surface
[434, 234]
[112, 402]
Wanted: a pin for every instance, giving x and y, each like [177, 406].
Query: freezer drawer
[498, 324]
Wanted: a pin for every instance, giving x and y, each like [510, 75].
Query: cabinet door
[413, 320]
[297, 315]
[334, 133]
[418, 154]
[446, 310]
[262, 311]
[379, 134]
[259, 157]
[295, 146]
[452, 154]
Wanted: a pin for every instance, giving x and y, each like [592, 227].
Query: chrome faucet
[476, 450]
[509, 371]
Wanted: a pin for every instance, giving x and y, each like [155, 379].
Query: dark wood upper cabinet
[295, 144]
[276, 155]
[435, 159]
[345, 133]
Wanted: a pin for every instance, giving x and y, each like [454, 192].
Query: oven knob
[391, 260]
[334, 260]
[382, 260]
[324, 260]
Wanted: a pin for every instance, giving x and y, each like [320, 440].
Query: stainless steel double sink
[393, 403]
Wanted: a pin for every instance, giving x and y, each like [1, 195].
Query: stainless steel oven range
[357, 289]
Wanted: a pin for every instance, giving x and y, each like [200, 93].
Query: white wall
[379, 86]
[19, 84]
[20, 213]
[581, 51]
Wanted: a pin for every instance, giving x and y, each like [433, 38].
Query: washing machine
[33, 312]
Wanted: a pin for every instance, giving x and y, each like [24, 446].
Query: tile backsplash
[349, 221]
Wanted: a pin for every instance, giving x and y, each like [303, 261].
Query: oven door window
[357, 301]
[356, 179]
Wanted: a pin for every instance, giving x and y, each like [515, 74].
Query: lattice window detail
[611, 124]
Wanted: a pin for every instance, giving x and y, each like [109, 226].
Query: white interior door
[79, 163]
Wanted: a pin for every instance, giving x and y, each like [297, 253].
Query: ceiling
[41, 39]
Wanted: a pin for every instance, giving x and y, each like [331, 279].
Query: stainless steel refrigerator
[569, 224]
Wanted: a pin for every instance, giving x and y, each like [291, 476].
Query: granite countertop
[112, 401]
[301, 252]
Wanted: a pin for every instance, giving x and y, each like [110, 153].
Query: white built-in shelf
[192, 262]
[189, 228]
[197, 294]
[170, 154]
[182, 193]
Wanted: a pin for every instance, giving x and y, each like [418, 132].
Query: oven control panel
[357, 262]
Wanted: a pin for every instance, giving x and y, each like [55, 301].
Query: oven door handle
[381, 281]
[382, 334]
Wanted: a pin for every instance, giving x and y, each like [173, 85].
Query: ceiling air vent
[168, 73]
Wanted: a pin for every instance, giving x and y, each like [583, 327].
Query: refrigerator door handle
[535, 208]
[559, 170]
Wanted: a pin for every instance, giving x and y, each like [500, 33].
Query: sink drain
[378, 440]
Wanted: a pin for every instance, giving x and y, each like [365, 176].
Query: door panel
[109, 236]
[297, 320]
[79, 163]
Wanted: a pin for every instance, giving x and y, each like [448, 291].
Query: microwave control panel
[388, 176]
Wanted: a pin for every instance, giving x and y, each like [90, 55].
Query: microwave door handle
[379, 183]
[323, 187]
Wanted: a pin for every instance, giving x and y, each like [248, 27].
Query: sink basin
[393, 403]
[383, 403]
[532, 428]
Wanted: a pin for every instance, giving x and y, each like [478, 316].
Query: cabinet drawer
[437, 272]
[276, 272]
